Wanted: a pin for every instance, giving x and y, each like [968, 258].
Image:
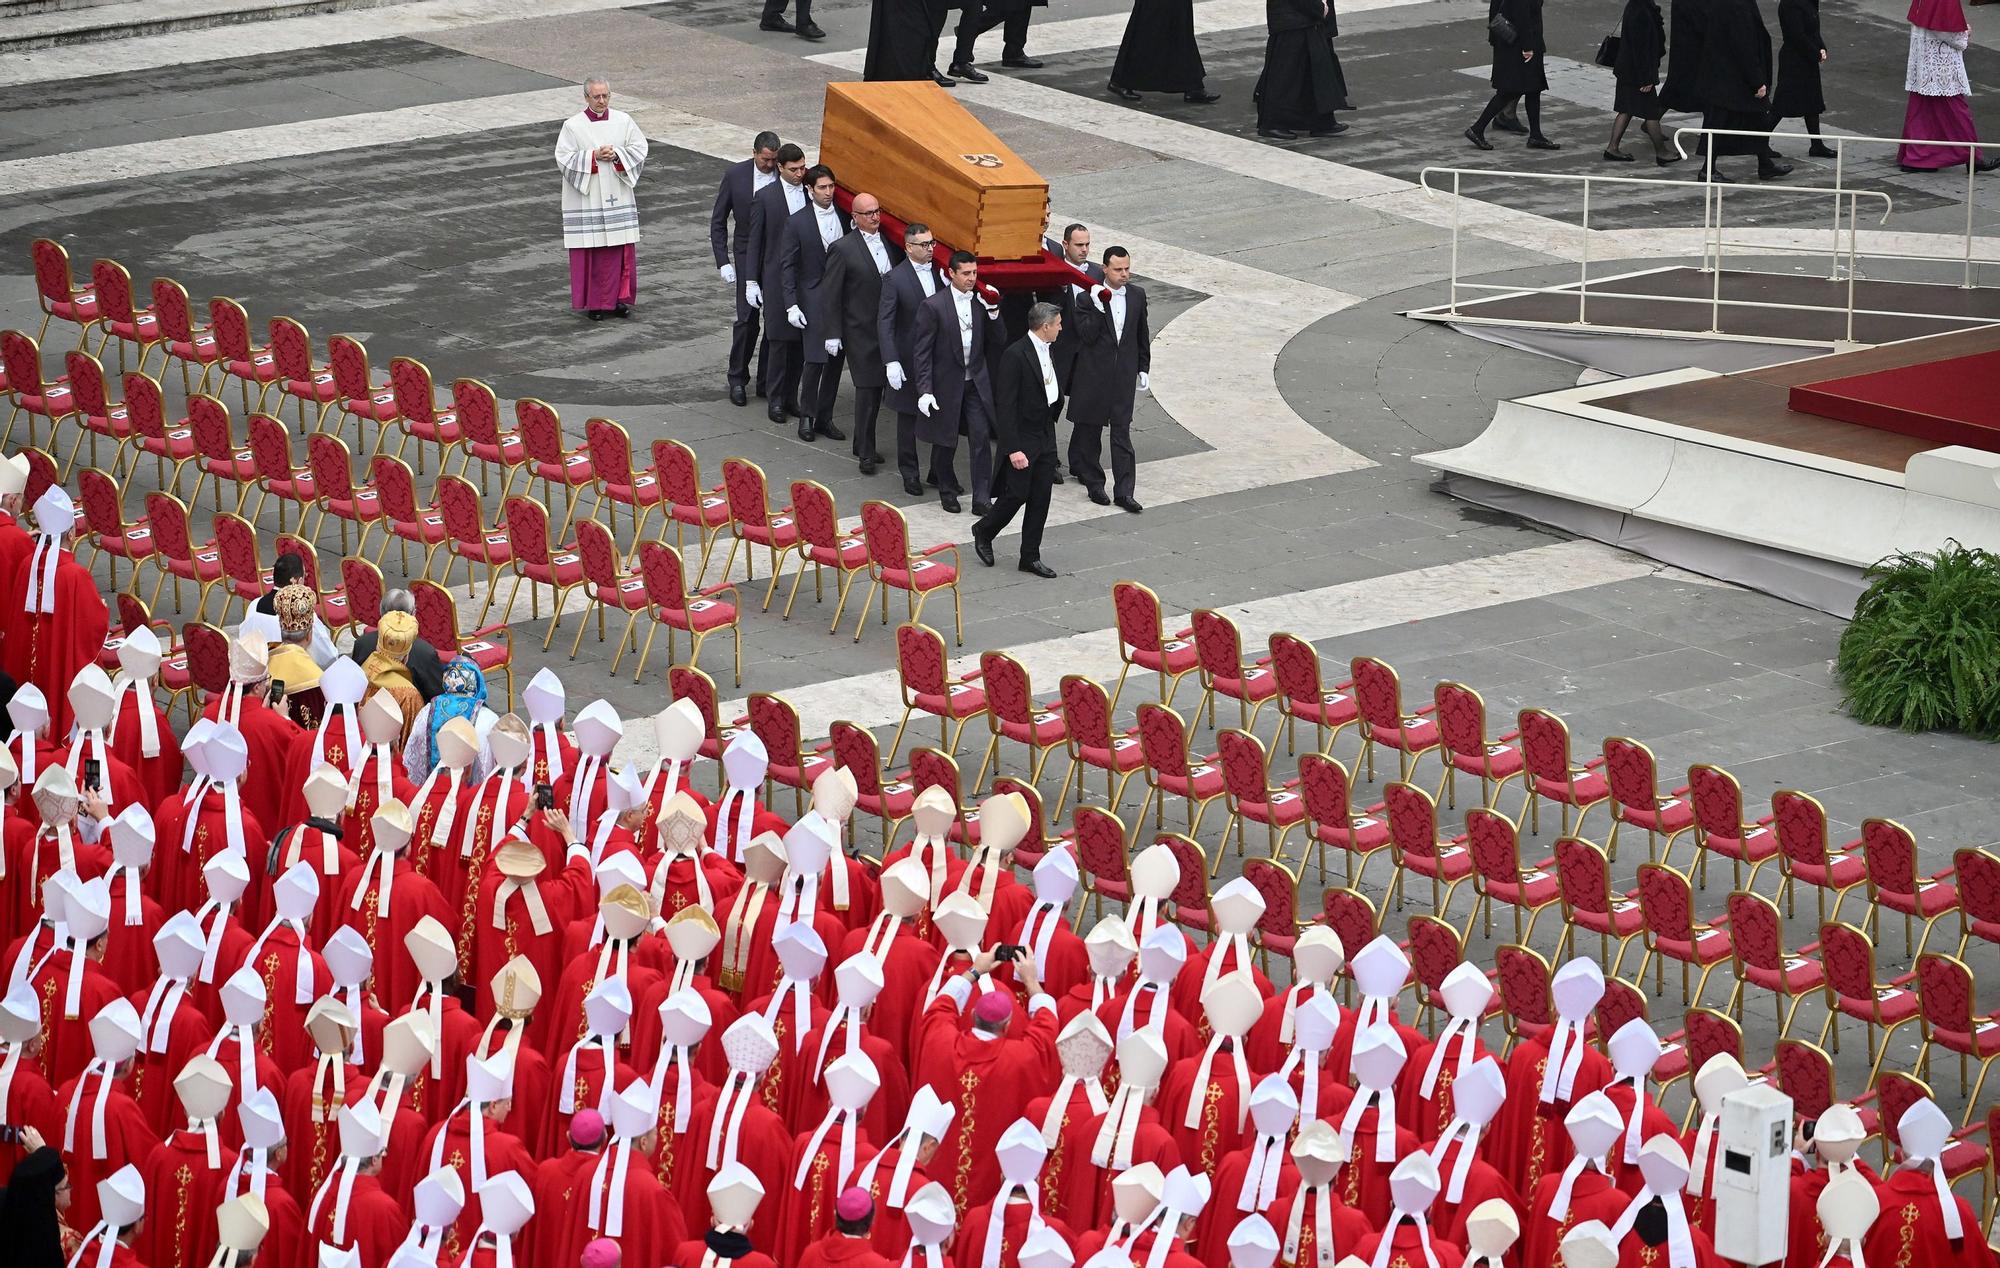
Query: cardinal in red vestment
[1546, 1075]
[71, 983]
[825, 1158]
[1837, 1137]
[1128, 1133]
[858, 983]
[267, 732]
[738, 1126]
[56, 619]
[1414, 1185]
[351, 1210]
[1582, 1191]
[523, 910]
[1468, 1179]
[1424, 1089]
[386, 899]
[26, 1097]
[103, 1129]
[909, 958]
[1083, 1049]
[896, 1173]
[848, 1245]
[995, 1233]
[621, 1198]
[140, 736]
[184, 1173]
[470, 1140]
[335, 742]
[1255, 1177]
[135, 916]
[734, 1196]
[1204, 1102]
[1921, 1217]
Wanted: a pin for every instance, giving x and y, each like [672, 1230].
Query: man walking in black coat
[908, 285]
[810, 235]
[850, 294]
[1114, 358]
[740, 183]
[771, 208]
[1076, 250]
[954, 391]
[1027, 398]
[1735, 85]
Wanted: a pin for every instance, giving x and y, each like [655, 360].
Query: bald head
[867, 213]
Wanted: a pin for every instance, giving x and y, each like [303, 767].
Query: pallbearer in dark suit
[1114, 358]
[909, 284]
[1076, 250]
[954, 391]
[851, 296]
[810, 235]
[771, 208]
[740, 183]
[1027, 397]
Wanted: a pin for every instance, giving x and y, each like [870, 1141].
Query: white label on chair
[632, 584]
[1366, 821]
[1409, 720]
[708, 502]
[1925, 882]
[1175, 645]
[1259, 672]
[1282, 798]
[474, 648]
[576, 460]
[898, 786]
[496, 539]
[960, 688]
[564, 558]
[728, 733]
[1195, 772]
[849, 543]
[1043, 718]
[1532, 875]
[434, 520]
[261, 358]
[1450, 850]
[206, 556]
[1124, 742]
[1888, 992]
[383, 398]
[1669, 803]
[1623, 905]
[701, 605]
[1493, 749]
[920, 565]
[114, 642]
[1332, 697]
[180, 433]
[323, 376]
[1795, 962]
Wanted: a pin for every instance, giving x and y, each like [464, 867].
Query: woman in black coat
[1642, 44]
[31, 1206]
[1798, 92]
[1517, 72]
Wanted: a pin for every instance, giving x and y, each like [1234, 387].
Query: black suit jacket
[1023, 419]
[851, 294]
[800, 268]
[1071, 300]
[901, 294]
[763, 256]
[426, 669]
[942, 363]
[730, 240]
[1107, 366]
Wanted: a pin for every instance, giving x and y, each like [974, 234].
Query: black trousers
[776, 9]
[1086, 458]
[783, 364]
[1019, 490]
[867, 404]
[977, 428]
[819, 384]
[746, 333]
[979, 18]
[906, 448]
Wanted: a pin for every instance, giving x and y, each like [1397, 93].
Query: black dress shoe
[1617, 156]
[1056, 476]
[1039, 568]
[829, 431]
[1122, 93]
[1771, 169]
[870, 465]
[912, 488]
[1201, 97]
[737, 396]
[982, 548]
[595, 314]
[777, 24]
[1666, 160]
[1278, 134]
[1332, 129]
[1130, 505]
[1478, 139]
[1100, 497]
[775, 413]
[874, 457]
[792, 408]
[1542, 143]
[1510, 123]
[968, 72]
[622, 311]
[980, 508]
[949, 503]
[941, 79]
[805, 433]
[1021, 61]
[1986, 164]
[811, 31]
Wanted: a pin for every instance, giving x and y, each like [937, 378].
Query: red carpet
[1952, 401]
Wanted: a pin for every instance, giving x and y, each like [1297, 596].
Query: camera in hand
[1008, 952]
[545, 797]
[91, 774]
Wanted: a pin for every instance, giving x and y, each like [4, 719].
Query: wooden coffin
[913, 146]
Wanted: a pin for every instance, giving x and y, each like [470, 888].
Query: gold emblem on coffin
[983, 160]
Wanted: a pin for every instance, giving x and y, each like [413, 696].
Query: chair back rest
[236, 546]
[1035, 843]
[291, 350]
[1246, 770]
[21, 358]
[145, 403]
[743, 484]
[666, 580]
[1218, 644]
[270, 447]
[1756, 930]
[416, 399]
[102, 504]
[685, 682]
[1139, 620]
[1977, 875]
[1327, 790]
[207, 651]
[208, 419]
[527, 529]
[818, 521]
[331, 464]
[1891, 854]
[132, 614]
[1717, 800]
[931, 767]
[1296, 664]
[774, 721]
[1895, 1092]
[594, 545]
[1348, 914]
[1190, 894]
[41, 474]
[1378, 694]
[1945, 995]
[1435, 950]
[458, 502]
[678, 472]
[1848, 955]
[1279, 889]
[1522, 976]
[1800, 821]
[1412, 820]
[1584, 875]
[1622, 1002]
[1100, 843]
[1086, 711]
[348, 361]
[1804, 1072]
[53, 280]
[363, 583]
[1667, 902]
[478, 411]
[1630, 772]
[397, 489]
[293, 544]
[856, 752]
[86, 383]
[1163, 740]
[610, 451]
[1711, 1034]
[173, 310]
[540, 429]
[113, 284]
[1545, 751]
[1009, 695]
[887, 534]
[437, 616]
[168, 519]
[1461, 719]
[920, 659]
[1494, 845]
[232, 328]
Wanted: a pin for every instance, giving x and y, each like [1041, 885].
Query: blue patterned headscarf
[463, 696]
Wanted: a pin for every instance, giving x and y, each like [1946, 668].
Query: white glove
[833, 347]
[1142, 380]
[895, 369]
[992, 310]
[927, 405]
[796, 316]
[728, 272]
[753, 293]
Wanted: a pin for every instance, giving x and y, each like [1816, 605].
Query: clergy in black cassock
[903, 39]
[1301, 85]
[1735, 83]
[1158, 53]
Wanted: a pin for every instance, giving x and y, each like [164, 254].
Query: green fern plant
[1923, 650]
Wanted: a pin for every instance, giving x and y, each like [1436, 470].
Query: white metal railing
[1840, 144]
[1714, 299]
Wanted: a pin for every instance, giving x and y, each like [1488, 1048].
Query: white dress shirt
[829, 224]
[795, 196]
[927, 279]
[1118, 314]
[759, 179]
[962, 301]
[1048, 369]
[876, 252]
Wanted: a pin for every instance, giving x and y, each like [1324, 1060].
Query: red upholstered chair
[609, 447]
[1303, 695]
[1100, 856]
[1416, 846]
[1636, 799]
[536, 558]
[207, 651]
[856, 752]
[1853, 990]
[1012, 712]
[185, 342]
[1191, 898]
[892, 566]
[607, 584]
[217, 455]
[132, 614]
[1464, 746]
[1435, 950]
[361, 582]
[753, 524]
[21, 359]
[244, 576]
[1170, 770]
[1525, 990]
[1249, 795]
[1218, 648]
[931, 768]
[332, 467]
[359, 396]
[1672, 933]
[146, 409]
[775, 722]
[1757, 936]
[1498, 875]
[41, 474]
[176, 553]
[685, 682]
[1034, 845]
[104, 525]
[1353, 920]
[1327, 791]
[1978, 874]
[241, 361]
[1803, 1071]
[698, 614]
[478, 411]
[687, 502]
[491, 648]
[1379, 695]
[56, 291]
[1554, 775]
[549, 456]
[1708, 1034]
[469, 537]
[1277, 930]
[1143, 642]
[425, 419]
[119, 316]
[1948, 1016]
[96, 414]
[1092, 742]
[822, 544]
[1895, 1092]
[300, 379]
[271, 450]
[1894, 883]
[1720, 825]
[923, 675]
[1805, 857]
[1584, 878]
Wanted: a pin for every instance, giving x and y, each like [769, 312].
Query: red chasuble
[151, 1082]
[1219, 1130]
[66, 1046]
[411, 898]
[1651, 1123]
[1054, 1189]
[49, 648]
[908, 962]
[283, 1037]
[1221, 1216]
[128, 949]
[1406, 1247]
[182, 1192]
[28, 1102]
[805, 1214]
[503, 1153]
[1636, 1252]
[988, 1081]
[309, 753]
[1363, 1182]
[176, 875]
[329, 857]
[269, 735]
[1348, 1227]
[968, 1246]
[805, 1101]
[1910, 1232]
[694, 1254]
[1593, 1198]
[42, 858]
[1528, 1140]
[1427, 1116]
[159, 775]
[653, 1227]
[1805, 1244]
[556, 1183]
[376, 1223]
[890, 1233]
[357, 824]
[128, 1140]
[1086, 1188]
[565, 896]
[838, 1250]
[764, 1145]
[1482, 1183]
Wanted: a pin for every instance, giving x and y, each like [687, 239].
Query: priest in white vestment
[601, 153]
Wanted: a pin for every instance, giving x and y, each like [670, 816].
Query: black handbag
[1607, 52]
[1500, 31]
